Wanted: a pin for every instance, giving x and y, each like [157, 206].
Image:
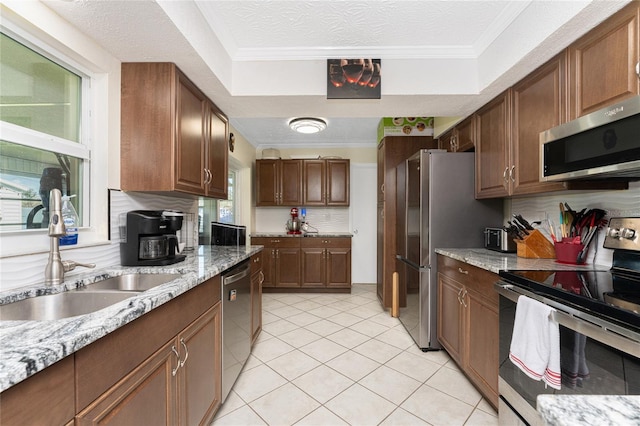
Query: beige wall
[442, 124]
[356, 155]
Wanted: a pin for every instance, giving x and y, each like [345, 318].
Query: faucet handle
[70, 265]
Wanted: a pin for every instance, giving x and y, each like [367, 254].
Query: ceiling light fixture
[307, 125]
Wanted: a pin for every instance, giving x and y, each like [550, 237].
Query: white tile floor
[340, 359]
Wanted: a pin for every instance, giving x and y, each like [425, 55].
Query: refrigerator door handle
[410, 263]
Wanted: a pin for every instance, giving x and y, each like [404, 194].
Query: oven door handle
[599, 332]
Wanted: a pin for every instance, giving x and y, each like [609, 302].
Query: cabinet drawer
[277, 242]
[315, 242]
[474, 278]
[121, 351]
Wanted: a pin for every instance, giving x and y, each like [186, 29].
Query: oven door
[594, 360]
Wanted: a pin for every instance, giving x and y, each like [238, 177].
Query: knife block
[535, 246]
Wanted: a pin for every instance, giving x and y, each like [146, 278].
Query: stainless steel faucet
[56, 267]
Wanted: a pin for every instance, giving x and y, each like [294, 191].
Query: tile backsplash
[324, 219]
[616, 203]
[20, 271]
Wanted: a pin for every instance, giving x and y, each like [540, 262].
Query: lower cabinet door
[146, 396]
[450, 316]
[338, 267]
[200, 369]
[313, 267]
[288, 267]
[482, 342]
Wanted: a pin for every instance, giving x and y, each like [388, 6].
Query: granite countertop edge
[589, 410]
[495, 261]
[27, 347]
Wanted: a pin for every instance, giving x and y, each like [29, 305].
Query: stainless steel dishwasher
[236, 323]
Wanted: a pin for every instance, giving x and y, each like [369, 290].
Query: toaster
[498, 239]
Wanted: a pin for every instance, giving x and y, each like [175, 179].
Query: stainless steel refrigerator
[436, 208]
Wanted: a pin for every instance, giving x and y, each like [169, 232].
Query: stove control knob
[627, 233]
[614, 232]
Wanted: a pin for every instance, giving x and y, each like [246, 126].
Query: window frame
[43, 141]
[36, 25]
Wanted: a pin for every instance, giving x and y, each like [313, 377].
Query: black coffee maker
[149, 238]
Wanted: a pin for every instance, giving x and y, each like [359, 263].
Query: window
[217, 210]
[227, 208]
[42, 145]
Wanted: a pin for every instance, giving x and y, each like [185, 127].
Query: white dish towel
[535, 343]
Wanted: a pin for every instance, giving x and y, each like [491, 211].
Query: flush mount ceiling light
[307, 125]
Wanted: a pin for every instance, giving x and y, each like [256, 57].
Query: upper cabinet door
[466, 136]
[602, 64]
[314, 181]
[191, 143]
[539, 103]
[337, 183]
[218, 154]
[492, 149]
[268, 185]
[291, 183]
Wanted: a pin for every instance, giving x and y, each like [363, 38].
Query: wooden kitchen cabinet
[326, 262]
[492, 148]
[179, 384]
[257, 279]
[392, 150]
[44, 398]
[218, 154]
[467, 321]
[281, 261]
[325, 182]
[460, 138]
[602, 64]
[137, 362]
[538, 104]
[278, 183]
[450, 313]
[173, 138]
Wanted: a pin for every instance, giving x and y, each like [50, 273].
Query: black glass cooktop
[610, 295]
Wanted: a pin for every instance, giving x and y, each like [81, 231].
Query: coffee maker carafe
[150, 238]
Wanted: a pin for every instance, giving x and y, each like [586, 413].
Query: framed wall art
[353, 78]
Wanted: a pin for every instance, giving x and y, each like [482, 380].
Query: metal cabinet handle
[464, 294]
[382, 188]
[504, 174]
[261, 277]
[174, 371]
[462, 271]
[512, 173]
[186, 352]
[459, 293]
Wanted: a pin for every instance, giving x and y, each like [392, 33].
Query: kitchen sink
[131, 282]
[61, 305]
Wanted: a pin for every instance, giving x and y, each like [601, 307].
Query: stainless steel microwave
[601, 145]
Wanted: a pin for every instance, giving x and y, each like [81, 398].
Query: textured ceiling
[264, 62]
[317, 29]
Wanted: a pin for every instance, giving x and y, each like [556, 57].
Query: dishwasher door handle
[229, 279]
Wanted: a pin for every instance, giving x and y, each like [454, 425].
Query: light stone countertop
[27, 347]
[495, 261]
[589, 410]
